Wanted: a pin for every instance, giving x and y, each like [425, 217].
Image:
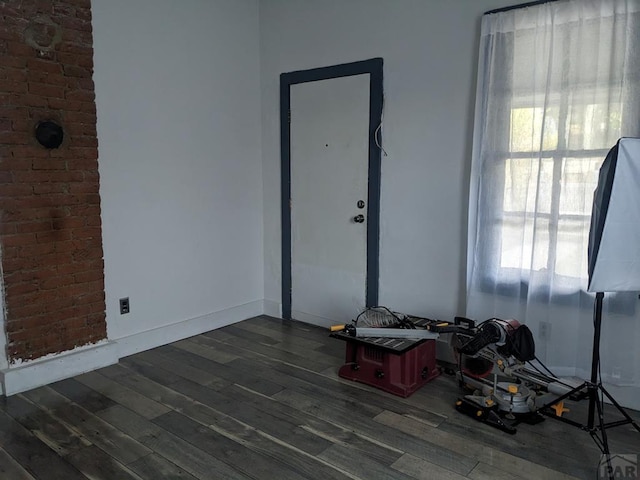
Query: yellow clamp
[559, 409]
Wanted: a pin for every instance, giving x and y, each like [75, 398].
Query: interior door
[329, 155]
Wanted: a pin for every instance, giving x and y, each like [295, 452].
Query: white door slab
[329, 176]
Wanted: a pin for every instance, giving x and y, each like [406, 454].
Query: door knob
[358, 218]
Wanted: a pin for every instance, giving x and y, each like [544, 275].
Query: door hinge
[289, 115]
[290, 204]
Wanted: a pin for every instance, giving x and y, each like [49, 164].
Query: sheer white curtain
[558, 84]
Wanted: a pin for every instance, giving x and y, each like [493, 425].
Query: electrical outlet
[545, 331]
[124, 305]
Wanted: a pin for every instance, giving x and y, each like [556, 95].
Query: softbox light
[614, 236]
[614, 266]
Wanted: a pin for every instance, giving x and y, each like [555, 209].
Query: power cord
[378, 132]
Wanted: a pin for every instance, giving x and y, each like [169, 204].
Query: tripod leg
[595, 358]
[601, 426]
[603, 441]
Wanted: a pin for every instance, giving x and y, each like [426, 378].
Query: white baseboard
[53, 368]
[313, 319]
[149, 339]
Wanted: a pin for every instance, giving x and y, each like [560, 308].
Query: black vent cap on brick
[49, 134]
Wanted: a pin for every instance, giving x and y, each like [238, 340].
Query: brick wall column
[50, 227]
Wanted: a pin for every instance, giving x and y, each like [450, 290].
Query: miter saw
[495, 362]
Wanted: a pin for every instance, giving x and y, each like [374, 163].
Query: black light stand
[592, 389]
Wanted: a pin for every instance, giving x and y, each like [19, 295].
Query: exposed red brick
[49, 164]
[84, 187]
[15, 75]
[19, 240]
[53, 236]
[57, 79]
[50, 226]
[16, 190]
[12, 164]
[58, 281]
[82, 129]
[13, 62]
[84, 210]
[77, 71]
[84, 141]
[6, 125]
[11, 214]
[64, 10]
[32, 227]
[41, 188]
[13, 138]
[82, 37]
[38, 176]
[68, 223]
[24, 312]
[7, 32]
[11, 254]
[15, 289]
[93, 221]
[72, 47]
[86, 4]
[29, 251]
[44, 6]
[24, 125]
[75, 23]
[83, 13]
[86, 232]
[20, 49]
[75, 58]
[81, 95]
[11, 86]
[7, 229]
[35, 100]
[45, 90]
[39, 65]
[81, 117]
[88, 276]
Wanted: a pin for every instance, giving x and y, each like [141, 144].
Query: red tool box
[398, 366]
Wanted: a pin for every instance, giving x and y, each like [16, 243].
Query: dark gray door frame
[374, 68]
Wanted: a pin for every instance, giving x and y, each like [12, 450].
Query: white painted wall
[178, 101]
[429, 49]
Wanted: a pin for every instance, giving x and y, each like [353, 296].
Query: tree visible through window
[549, 177]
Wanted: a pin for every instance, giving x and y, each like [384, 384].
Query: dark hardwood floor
[261, 399]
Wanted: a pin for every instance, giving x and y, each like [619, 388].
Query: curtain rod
[522, 5]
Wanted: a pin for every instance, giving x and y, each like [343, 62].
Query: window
[549, 182]
[556, 91]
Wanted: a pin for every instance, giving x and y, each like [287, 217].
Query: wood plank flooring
[261, 399]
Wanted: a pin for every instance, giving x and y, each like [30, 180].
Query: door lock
[358, 219]
[360, 204]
